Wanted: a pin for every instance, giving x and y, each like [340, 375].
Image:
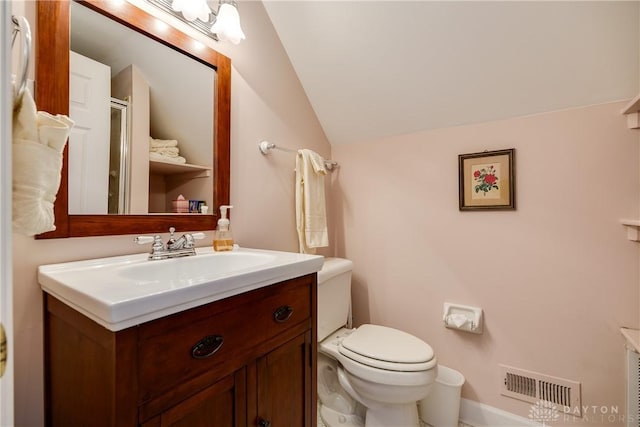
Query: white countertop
[124, 291]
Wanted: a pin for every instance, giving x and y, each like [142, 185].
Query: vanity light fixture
[227, 25]
[192, 9]
[222, 25]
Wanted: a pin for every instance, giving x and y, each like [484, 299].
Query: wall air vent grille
[520, 384]
[534, 387]
[555, 393]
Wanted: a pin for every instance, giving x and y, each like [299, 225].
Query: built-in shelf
[171, 168]
[633, 338]
[633, 229]
[632, 111]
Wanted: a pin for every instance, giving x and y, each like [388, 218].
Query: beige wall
[267, 102]
[556, 278]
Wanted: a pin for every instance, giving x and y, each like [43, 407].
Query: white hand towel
[38, 141]
[166, 151]
[162, 143]
[311, 216]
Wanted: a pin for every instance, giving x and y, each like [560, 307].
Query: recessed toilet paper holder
[462, 317]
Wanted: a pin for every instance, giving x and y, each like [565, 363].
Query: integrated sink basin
[180, 272]
[123, 291]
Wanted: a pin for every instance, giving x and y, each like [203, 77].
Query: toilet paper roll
[456, 319]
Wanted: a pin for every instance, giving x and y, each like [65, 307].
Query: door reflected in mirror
[160, 145]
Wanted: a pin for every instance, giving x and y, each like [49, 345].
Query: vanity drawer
[185, 349]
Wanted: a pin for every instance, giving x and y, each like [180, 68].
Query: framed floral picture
[486, 180]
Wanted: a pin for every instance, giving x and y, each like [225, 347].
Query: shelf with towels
[171, 168]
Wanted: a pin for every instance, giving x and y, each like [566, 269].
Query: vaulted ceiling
[374, 69]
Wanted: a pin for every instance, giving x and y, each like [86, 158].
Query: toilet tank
[334, 295]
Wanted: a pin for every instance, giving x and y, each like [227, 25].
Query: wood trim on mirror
[52, 95]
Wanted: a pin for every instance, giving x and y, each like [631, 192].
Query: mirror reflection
[118, 157]
[144, 122]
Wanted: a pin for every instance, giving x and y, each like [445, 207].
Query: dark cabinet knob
[282, 313]
[206, 347]
[264, 423]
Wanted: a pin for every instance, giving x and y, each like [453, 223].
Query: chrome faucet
[174, 248]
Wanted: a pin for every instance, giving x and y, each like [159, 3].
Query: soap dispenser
[223, 239]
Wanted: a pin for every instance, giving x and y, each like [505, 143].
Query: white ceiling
[374, 69]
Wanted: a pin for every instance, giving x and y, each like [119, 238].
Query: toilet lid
[379, 345]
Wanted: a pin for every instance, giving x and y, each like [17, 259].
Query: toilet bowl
[372, 372]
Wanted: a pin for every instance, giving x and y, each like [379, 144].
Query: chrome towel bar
[266, 147]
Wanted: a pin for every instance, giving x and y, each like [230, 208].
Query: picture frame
[486, 180]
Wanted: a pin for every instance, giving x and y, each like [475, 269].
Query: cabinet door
[223, 404]
[284, 385]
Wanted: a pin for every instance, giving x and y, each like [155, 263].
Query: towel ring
[21, 25]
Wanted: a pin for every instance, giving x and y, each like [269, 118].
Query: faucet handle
[143, 240]
[190, 239]
[156, 240]
[157, 246]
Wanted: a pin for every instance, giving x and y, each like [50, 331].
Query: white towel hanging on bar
[311, 215]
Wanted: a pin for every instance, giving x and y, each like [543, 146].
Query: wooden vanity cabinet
[247, 360]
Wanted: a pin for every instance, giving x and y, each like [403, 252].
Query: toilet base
[333, 418]
[393, 415]
[328, 417]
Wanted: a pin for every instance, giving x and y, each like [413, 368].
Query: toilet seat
[388, 349]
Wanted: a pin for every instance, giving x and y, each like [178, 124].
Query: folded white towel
[161, 143]
[169, 159]
[311, 216]
[36, 179]
[166, 151]
[38, 141]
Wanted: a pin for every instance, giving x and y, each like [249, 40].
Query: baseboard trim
[480, 415]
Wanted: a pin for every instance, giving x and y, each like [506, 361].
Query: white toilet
[372, 375]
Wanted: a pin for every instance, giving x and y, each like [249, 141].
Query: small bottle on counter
[223, 238]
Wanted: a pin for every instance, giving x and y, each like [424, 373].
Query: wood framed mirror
[52, 95]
